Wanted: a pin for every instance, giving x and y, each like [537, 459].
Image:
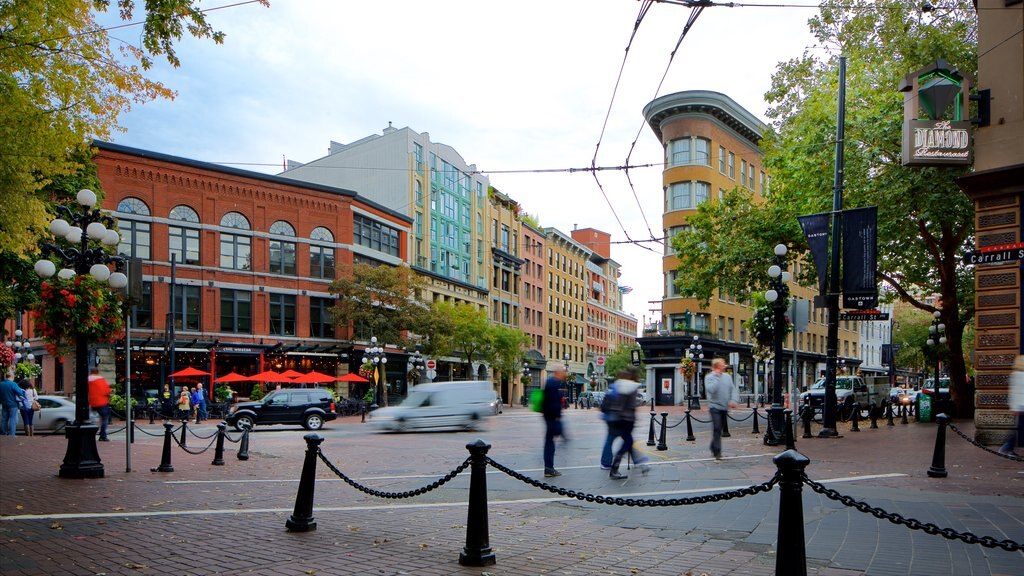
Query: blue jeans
[606, 451]
[104, 413]
[553, 428]
[717, 419]
[625, 431]
[8, 421]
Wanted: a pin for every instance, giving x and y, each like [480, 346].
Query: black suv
[310, 407]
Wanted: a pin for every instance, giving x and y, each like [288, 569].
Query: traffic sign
[600, 360]
[431, 364]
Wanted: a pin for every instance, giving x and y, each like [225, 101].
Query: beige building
[567, 303]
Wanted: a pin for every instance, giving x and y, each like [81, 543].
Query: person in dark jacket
[552, 412]
[620, 413]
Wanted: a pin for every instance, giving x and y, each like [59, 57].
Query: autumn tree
[925, 223]
[378, 301]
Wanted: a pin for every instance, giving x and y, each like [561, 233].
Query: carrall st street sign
[997, 254]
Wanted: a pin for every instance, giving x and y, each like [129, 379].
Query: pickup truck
[851, 391]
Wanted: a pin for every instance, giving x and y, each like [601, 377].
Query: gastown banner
[815, 227]
[860, 258]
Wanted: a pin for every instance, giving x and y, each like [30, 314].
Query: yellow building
[567, 303]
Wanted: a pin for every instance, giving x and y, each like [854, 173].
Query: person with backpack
[619, 407]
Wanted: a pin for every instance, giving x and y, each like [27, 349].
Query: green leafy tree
[61, 84]
[619, 358]
[460, 329]
[509, 346]
[378, 301]
[924, 222]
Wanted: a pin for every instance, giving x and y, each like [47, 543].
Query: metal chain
[143, 430]
[748, 416]
[380, 494]
[927, 527]
[201, 437]
[119, 430]
[232, 440]
[194, 453]
[708, 421]
[985, 448]
[676, 424]
[619, 501]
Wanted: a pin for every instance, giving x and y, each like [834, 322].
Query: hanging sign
[815, 227]
[860, 249]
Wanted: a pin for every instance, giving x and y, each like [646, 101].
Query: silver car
[55, 412]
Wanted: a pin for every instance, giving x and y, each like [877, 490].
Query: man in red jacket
[99, 399]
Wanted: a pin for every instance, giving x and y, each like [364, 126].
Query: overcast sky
[517, 85]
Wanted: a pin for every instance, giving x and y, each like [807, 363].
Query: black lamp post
[695, 353]
[936, 337]
[416, 366]
[22, 349]
[375, 355]
[777, 296]
[569, 378]
[82, 459]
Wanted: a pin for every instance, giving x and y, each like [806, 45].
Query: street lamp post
[82, 459]
[21, 348]
[696, 353]
[777, 296]
[416, 365]
[936, 337]
[375, 355]
[568, 378]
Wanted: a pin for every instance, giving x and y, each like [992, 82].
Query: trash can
[924, 407]
[694, 403]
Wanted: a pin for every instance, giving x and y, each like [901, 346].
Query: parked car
[851, 392]
[55, 412]
[310, 407]
[438, 405]
[902, 396]
[497, 406]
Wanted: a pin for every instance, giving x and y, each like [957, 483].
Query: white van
[438, 404]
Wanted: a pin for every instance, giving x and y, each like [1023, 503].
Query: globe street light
[696, 353]
[21, 348]
[82, 229]
[936, 337]
[416, 366]
[375, 355]
[777, 296]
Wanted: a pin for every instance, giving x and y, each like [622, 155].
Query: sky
[520, 86]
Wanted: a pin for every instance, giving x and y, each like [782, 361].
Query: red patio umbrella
[232, 377]
[190, 371]
[291, 374]
[314, 378]
[352, 377]
[268, 376]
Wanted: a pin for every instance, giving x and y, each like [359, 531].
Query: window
[732, 165]
[143, 317]
[721, 159]
[321, 321]
[282, 253]
[670, 284]
[419, 193]
[687, 195]
[135, 239]
[743, 172]
[750, 175]
[183, 242]
[418, 154]
[132, 205]
[235, 249]
[731, 329]
[282, 315]
[690, 151]
[185, 307]
[235, 311]
[372, 234]
[321, 258]
[504, 237]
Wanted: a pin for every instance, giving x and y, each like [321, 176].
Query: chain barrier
[379, 494]
[985, 448]
[744, 419]
[695, 419]
[119, 430]
[927, 527]
[201, 437]
[233, 440]
[677, 423]
[143, 430]
[619, 501]
[192, 452]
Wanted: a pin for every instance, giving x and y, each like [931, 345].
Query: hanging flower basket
[27, 370]
[80, 306]
[6, 359]
[687, 367]
[366, 371]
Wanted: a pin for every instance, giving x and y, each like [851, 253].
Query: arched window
[131, 205]
[135, 235]
[235, 249]
[282, 228]
[184, 213]
[235, 220]
[322, 234]
[321, 258]
[282, 254]
[183, 241]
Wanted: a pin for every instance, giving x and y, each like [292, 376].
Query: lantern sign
[943, 136]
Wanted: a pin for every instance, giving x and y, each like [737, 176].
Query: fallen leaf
[354, 528]
[424, 546]
[310, 571]
[19, 507]
[136, 566]
[56, 526]
[118, 508]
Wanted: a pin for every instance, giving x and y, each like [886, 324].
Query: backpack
[610, 400]
[537, 400]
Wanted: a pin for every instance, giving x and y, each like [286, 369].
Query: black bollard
[790, 555]
[243, 444]
[165, 459]
[363, 411]
[938, 467]
[788, 436]
[807, 416]
[903, 415]
[478, 541]
[748, 401]
[184, 434]
[756, 429]
[888, 414]
[302, 516]
[218, 454]
[873, 414]
[650, 432]
[689, 428]
[152, 415]
[662, 441]
[855, 427]
[131, 432]
[725, 426]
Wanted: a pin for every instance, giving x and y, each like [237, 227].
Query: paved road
[204, 519]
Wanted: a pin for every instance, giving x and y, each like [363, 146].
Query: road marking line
[322, 509]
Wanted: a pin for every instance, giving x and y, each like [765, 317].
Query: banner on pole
[860, 258]
[815, 227]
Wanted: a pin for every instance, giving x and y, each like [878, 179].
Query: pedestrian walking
[552, 412]
[1016, 401]
[184, 403]
[99, 400]
[29, 405]
[619, 409]
[196, 399]
[10, 402]
[203, 414]
[722, 396]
